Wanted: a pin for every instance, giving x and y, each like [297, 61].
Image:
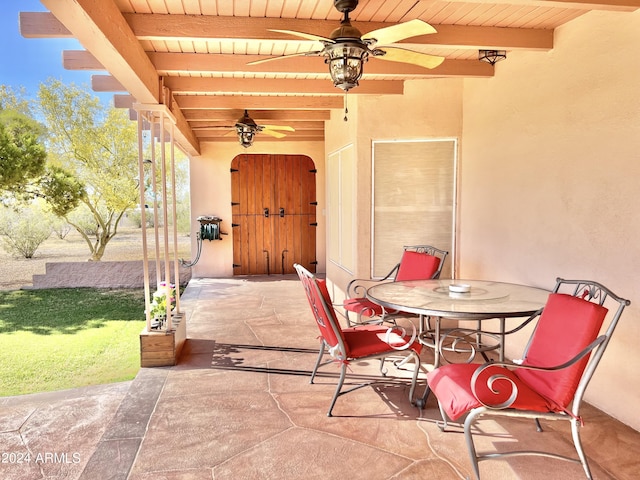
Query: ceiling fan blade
[307, 36]
[278, 127]
[280, 57]
[273, 133]
[395, 33]
[402, 55]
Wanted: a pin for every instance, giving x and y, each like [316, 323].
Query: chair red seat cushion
[363, 306]
[366, 340]
[451, 384]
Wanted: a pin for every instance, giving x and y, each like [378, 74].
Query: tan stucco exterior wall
[211, 195]
[550, 180]
[428, 109]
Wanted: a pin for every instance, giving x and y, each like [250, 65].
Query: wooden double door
[273, 213]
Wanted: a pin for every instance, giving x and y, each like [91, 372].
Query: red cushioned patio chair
[418, 262]
[355, 343]
[550, 380]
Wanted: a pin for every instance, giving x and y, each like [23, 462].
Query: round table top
[473, 299]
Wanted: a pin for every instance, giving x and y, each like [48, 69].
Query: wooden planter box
[162, 349]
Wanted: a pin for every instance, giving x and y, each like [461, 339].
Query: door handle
[266, 213]
[281, 212]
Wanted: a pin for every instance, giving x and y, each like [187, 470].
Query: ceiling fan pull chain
[346, 110]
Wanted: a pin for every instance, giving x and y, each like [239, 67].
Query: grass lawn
[66, 338]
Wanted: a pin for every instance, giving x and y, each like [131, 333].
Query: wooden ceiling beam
[108, 83]
[277, 85]
[173, 63]
[200, 27]
[210, 63]
[221, 132]
[299, 125]
[262, 139]
[163, 27]
[263, 116]
[258, 102]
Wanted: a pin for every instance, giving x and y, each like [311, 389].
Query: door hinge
[235, 204]
[235, 265]
[314, 224]
[313, 203]
[235, 225]
[233, 170]
[313, 171]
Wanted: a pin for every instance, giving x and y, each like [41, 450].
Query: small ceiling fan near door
[246, 129]
[346, 50]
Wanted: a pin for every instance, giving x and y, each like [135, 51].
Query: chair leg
[320, 355]
[343, 373]
[575, 432]
[414, 379]
[473, 456]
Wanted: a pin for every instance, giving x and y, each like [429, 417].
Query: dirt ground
[16, 273]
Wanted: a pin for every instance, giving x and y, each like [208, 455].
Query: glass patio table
[462, 300]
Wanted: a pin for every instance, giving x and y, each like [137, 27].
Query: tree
[93, 159]
[22, 151]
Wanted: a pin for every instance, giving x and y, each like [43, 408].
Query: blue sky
[30, 61]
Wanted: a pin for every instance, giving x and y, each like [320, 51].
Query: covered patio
[239, 405]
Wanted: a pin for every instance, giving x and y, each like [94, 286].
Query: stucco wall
[427, 109]
[211, 195]
[550, 179]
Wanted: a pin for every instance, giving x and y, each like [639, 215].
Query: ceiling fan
[346, 49]
[246, 128]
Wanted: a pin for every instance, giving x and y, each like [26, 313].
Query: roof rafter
[147, 26]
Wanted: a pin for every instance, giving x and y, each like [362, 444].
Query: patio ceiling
[192, 55]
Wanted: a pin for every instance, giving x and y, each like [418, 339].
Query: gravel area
[16, 273]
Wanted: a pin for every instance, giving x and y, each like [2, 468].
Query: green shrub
[23, 230]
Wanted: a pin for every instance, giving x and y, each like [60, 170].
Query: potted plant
[159, 305]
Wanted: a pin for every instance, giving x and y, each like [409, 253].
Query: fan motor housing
[345, 5]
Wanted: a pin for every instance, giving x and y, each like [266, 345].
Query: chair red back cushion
[566, 326]
[417, 266]
[324, 314]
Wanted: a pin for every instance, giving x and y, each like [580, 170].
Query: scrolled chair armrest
[480, 379]
[358, 286]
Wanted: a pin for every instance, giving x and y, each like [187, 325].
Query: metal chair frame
[339, 351]
[358, 286]
[589, 290]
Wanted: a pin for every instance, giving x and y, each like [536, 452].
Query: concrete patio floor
[239, 405]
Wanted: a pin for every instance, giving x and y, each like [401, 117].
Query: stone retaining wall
[101, 275]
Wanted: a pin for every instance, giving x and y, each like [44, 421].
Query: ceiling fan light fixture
[345, 64]
[492, 56]
[246, 133]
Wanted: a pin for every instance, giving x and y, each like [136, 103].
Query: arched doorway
[273, 213]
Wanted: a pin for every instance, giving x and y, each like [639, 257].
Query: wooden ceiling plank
[614, 5]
